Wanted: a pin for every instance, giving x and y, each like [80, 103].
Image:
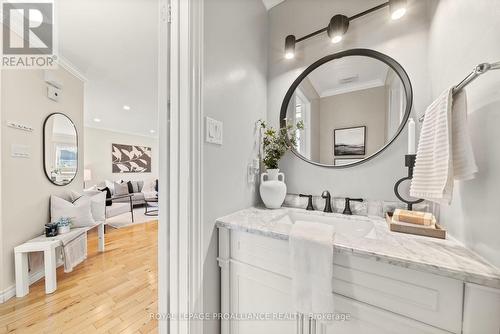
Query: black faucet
[310, 206]
[347, 209]
[328, 205]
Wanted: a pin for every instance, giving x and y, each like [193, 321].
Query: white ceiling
[348, 75]
[271, 3]
[113, 43]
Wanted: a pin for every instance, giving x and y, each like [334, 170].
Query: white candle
[411, 137]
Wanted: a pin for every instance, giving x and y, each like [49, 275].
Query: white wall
[98, 155]
[404, 40]
[25, 188]
[463, 34]
[234, 91]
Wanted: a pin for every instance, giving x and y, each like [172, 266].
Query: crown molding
[71, 68]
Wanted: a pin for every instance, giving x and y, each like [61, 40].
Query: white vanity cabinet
[379, 297]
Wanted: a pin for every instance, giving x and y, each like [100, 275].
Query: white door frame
[164, 152]
[180, 239]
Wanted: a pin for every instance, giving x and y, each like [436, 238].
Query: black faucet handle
[347, 209]
[326, 194]
[310, 206]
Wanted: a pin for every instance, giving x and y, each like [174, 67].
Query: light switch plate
[213, 131]
[20, 151]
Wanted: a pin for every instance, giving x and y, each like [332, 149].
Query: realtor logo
[28, 34]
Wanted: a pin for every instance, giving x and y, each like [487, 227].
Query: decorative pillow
[78, 211]
[140, 186]
[97, 203]
[121, 189]
[111, 186]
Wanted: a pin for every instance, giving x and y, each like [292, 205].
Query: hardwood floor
[111, 292]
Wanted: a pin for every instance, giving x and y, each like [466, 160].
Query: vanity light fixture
[397, 8]
[339, 24]
[290, 47]
[338, 27]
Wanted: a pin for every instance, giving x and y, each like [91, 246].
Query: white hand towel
[444, 150]
[75, 252]
[311, 255]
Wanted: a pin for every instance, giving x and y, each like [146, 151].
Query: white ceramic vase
[63, 229]
[272, 188]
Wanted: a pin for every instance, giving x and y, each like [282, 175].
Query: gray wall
[365, 107]
[97, 156]
[234, 91]
[25, 189]
[405, 40]
[455, 49]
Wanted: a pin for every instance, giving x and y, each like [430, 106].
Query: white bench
[48, 247]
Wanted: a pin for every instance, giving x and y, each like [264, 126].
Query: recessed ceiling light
[126, 107]
[152, 131]
[97, 120]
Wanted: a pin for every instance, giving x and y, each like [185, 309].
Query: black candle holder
[410, 163]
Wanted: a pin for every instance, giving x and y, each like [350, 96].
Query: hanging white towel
[75, 252]
[444, 150]
[311, 255]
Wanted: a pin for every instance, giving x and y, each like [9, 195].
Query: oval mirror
[352, 105]
[60, 149]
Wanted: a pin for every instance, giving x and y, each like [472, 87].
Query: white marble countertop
[441, 257]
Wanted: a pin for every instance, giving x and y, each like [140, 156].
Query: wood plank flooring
[111, 292]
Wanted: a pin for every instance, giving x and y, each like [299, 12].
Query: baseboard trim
[10, 292]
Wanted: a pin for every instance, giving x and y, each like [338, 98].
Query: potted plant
[63, 225]
[275, 144]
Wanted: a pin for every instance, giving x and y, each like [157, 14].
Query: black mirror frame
[400, 71]
[45, 153]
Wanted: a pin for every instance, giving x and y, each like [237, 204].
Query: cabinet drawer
[366, 319]
[263, 252]
[432, 299]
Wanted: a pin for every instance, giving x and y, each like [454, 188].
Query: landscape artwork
[350, 141]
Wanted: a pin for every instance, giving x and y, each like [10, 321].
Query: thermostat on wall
[53, 93]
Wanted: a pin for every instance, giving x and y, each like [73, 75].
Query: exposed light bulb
[289, 55]
[397, 8]
[398, 14]
[337, 39]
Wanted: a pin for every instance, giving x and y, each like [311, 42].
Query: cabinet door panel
[256, 291]
[481, 310]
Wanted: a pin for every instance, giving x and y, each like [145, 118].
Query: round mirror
[352, 106]
[60, 149]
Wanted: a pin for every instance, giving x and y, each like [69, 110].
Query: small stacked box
[415, 222]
